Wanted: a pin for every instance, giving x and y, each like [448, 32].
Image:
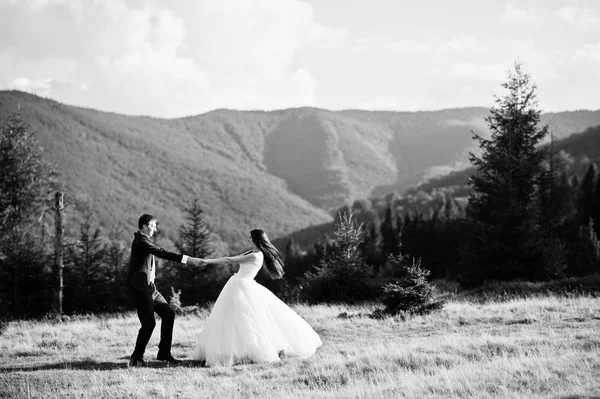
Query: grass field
[539, 347]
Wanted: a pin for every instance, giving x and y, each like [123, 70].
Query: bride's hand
[194, 261]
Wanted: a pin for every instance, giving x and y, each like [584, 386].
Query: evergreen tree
[564, 198]
[406, 290]
[506, 240]
[411, 295]
[341, 275]
[116, 255]
[25, 275]
[584, 256]
[389, 231]
[587, 202]
[575, 182]
[446, 210]
[197, 285]
[294, 262]
[596, 210]
[370, 247]
[194, 234]
[556, 212]
[364, 213]
[86, 276]
[439, 238]
[117, 258]
[25, 182]
[25, 177]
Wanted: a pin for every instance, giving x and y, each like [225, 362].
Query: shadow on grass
[95, 365]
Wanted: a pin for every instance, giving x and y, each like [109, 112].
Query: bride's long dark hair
[273, 260]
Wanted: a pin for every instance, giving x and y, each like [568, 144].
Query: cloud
[491, 58]
[465, 43]
[581, 17]
[36, 4]
[382, 103]
[306, 87]
[521, 16]
[588, 52]
[140, 57]
[185, 57]
[467, 69]
[372, 43]
[40, 87]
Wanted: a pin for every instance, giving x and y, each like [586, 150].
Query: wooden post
[58, 247]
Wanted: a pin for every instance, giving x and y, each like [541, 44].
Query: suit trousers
[147, 303]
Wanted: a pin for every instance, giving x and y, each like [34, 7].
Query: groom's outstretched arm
[168, 255]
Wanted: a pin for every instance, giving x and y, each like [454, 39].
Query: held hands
[196, 262]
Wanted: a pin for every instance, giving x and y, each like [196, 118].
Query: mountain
[282, 170]
[574, 152]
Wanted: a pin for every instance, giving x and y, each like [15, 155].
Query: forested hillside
[575, 153]
[282, 170]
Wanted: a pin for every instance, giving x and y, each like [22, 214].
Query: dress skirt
[248, 323]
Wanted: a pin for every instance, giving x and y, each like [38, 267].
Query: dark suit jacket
[142, 252]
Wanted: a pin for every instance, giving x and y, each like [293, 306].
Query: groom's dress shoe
[137, 363]
[168, 358]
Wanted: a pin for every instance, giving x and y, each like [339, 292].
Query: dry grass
[527, 348]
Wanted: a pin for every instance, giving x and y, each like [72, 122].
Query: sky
[186, 57]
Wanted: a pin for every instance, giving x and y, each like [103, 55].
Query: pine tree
[506, 240]
[587, 203]
[86, 273]
[389, 231]
[370, 247]
[440, 238]
[294, 262]
[25, 275]
[564, 195]
[584, 258]
[341, 275]
[556, 211]
[116, 256]
[413, 295]
[194, 240]
[25, 177]
[407, 292]
[194, 234]
[25, 182]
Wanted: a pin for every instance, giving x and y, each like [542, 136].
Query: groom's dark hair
[144, 220]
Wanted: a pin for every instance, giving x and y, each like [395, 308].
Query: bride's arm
[246, 256]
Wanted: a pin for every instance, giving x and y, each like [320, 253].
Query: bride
[248, 323]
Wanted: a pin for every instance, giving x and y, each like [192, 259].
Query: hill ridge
[282, 170]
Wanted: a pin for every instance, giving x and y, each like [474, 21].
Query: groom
[140, 281]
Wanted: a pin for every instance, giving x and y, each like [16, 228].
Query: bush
[411, 295]
[175, 301]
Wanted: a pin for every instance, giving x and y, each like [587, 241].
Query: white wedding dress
[248, 323]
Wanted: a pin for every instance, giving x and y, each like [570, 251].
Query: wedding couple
[247, 323]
